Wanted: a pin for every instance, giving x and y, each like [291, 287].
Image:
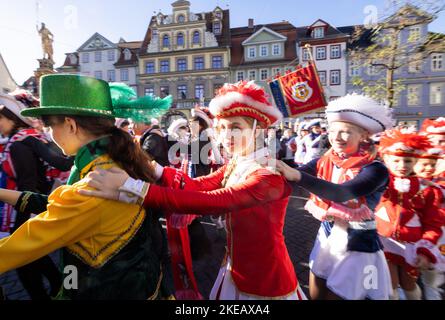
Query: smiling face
[400, 166]
[235, 133]
[345, 137]
[425, 168]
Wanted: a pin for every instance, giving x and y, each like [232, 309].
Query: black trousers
[32, 275]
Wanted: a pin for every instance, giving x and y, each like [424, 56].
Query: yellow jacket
[93, 229]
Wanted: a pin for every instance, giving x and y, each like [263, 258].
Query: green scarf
[85, 156]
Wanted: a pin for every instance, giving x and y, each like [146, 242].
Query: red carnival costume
[408, 216]
[257, 264]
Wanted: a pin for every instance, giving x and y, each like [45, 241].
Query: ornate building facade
[186, 55]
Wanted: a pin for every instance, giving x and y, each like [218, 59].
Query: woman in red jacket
[254, 197]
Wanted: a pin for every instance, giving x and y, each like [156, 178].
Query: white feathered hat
[11, 103]
[175, 125]
[362, 111]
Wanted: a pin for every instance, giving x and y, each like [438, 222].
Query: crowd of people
[88, 171]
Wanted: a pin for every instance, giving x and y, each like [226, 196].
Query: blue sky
[73, 21]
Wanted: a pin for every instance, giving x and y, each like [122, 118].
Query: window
[217, 28]
[252, 52]
[165, 66]
[322, 76]
[354, 69]
[180, 39]
[111, 75]
[320, 53]
[86, 58]
[165, 41]
[182, 92]
[239, 75]
[124, 75]
[264, 51]
[127, 54]
[336, 52]
[373, 70]
[150, 67]
[276, 71]
[216, 88]
[437, 62]
[436, 90]
[252, 75]
[98, 56]
[150, 91]
[414, 94]
[335, 77]
[414, 34]
[415, 65]
[318, 33]
[196, 37]
[264, 74]
[181, 18]
[182, 64]
[307, 54]
[165, 91]
[276, 49]
[217, 62]
[199, 91]
[98, 74]
[199, 63]
[218, 15]
[111, 55]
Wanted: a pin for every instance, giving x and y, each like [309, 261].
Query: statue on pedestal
[47, 43]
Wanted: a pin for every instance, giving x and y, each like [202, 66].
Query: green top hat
[62, 94]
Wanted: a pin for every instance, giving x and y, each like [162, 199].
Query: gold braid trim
[233, 111]
[25, 201]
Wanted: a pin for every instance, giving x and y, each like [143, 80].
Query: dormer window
[217, 28]
[318, 33]
[181, 18]
[218, 15]
[127, 54]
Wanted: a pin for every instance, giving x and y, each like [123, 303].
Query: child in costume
[116, 248]
[346, 185]
[408, 216]
[254, 198]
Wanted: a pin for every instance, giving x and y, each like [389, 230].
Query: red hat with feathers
[245, 99]
[430, 127]
[404, 144]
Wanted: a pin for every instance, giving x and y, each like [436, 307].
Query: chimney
[250, 23]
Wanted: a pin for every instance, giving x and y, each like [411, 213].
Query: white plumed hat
[362, 111]
[175, 125]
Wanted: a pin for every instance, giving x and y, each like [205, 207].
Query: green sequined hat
[127, 105]
[62, 94]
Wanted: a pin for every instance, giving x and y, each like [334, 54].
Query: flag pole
[308, 47]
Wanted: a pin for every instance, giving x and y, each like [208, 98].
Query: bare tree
[380, 48]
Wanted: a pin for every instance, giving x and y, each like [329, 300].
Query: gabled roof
[2, 61]
[304, 33]
[264, 29]
[90, 43]
[321, 21]
[284, 29]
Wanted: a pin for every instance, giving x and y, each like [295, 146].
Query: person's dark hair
[124, 124]
[121, 149]
[202, 123]
[18, 123]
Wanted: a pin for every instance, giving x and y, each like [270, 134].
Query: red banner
[298, 92]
